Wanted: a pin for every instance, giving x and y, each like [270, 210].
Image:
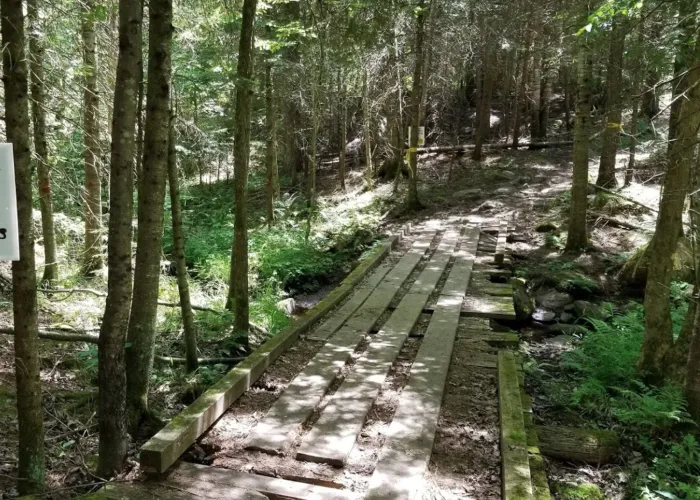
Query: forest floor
[526, 187]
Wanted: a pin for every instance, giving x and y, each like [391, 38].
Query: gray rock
[521, 300]
[569, 308]
[567, 329]
[546, 227]
[467, 193]
[562, 340]
[566, 317]
[287, 306]
[553, 300]
[543, 316]
[587, 309]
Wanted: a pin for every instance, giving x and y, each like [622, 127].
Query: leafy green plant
[674, 475]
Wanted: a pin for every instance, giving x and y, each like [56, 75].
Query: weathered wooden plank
[333, 436]
[515, 470]
[489, 306]
[488, 288]
[498, 339]
[336, 320]
[410, 437]
[156, 491]
[163, 449]
[275, 432]
[540, 483]
[500, 254]
[195, 477]
[458, 280]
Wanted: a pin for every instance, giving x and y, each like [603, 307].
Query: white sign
[421, 136]
[9, 235]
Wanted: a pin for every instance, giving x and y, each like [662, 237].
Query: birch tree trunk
[29, 411]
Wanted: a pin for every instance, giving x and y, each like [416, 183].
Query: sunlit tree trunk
[412, 201]
[38, 94]
[92, 198]
[189, 328]
[522, 88]
[613, 107]
[30, 414]
[144, 305]
[577, 238]
[367, 128]
[238, 286]
[536, 89]
[342, 91]
[400, 139]
[484, 110]
[658, 338]
[115, 323]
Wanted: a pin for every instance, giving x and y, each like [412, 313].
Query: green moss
[585, 491]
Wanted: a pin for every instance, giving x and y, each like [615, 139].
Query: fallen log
[610, 221]
[201, 361]
[572, 444]
[498, 145]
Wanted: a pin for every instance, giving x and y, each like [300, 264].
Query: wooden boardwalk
[454, 276]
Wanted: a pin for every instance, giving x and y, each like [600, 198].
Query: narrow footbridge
[458, 275]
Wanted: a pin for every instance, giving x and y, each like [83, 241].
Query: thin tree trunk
[38, 93]
[578, 236]
[399, 116]
[684, 52]
[545, 105]
[522, 88]
[342, 91]
[93, 260]
[367, 128]
[238, 286]
[613, 111]
[115, 323]
[412, 201]
[636, 85]
[190, 330]
[484, 112]
[28, 385]
[142, 322]
[536, 89]
[658, 338]
[271, 153]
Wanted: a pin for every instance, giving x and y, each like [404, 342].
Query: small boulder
[553, 300]
[546, 227]
[521, 300]
[566, 317]
[543, 315]
[563, 328]
[287, 306]
[561, 340]
[585, 309]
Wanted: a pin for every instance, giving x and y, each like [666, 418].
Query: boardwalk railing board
[277, 430]
[406, 453]
[333, 436]
[161, 451]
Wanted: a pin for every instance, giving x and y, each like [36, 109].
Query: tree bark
[484, 112]
[115, 323]
[613, 107]
[572, 444]
[367, 128]
[412, 201]
[142, 322]
[536, 89]
[522, 88]
[658, 338]
[273, 189]
[399, 111]
[342, 90]
[38, 93]
[238, 286]
[578, 235]
[684, 53]
[183, 287]
[29, 410]
[93, 260]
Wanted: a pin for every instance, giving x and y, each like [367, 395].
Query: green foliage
[555, 240]
[675, 474]
[565, 276]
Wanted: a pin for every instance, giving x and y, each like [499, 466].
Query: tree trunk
[613, 107]
[545, 105]
[522, 88]
[536, 89]
[238, 286]
[29, 411]
[367, 128]
[629, 172]
[399, 112]
[190, 330]
[412, 201]
[142, 323]
[484, 112]
[684, 53]
[343, 129]
[115, 323]
[92, 198]
[38, 93]
[578, 236]
[273, 189]
[658, 338]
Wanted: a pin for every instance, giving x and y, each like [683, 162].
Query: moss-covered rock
[634, 273]
[585, 491]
